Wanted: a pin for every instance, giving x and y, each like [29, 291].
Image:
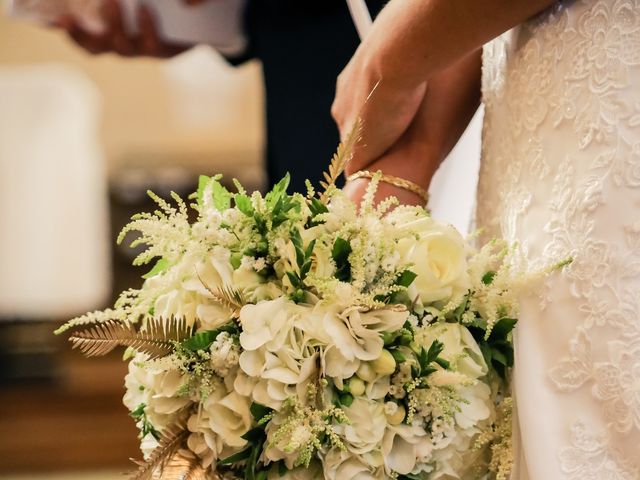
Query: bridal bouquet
[306, 337]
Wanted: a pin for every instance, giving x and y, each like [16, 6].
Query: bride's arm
[449, 103]
[410, 41]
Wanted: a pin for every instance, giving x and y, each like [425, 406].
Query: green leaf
[243, 202]
[443, 363]
[275, 195]
[203, 340]
[406, 278]
[434, 350]
[317, 207]
[236, 457]
[340, 254]
[502, 328]
[499, 357]
[221, 196]
[203, 181]
[293, 278]
[259, 411]
[398, 356]
[161, 265]
[236, 260]
[488, 277]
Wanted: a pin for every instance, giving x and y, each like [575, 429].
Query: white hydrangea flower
[225, 354]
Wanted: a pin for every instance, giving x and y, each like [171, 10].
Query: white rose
[229, 417]
[438, 255]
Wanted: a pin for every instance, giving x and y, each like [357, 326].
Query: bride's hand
[449, 104]
[385, 107]
[114, 38]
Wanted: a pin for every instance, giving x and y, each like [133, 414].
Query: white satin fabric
[560, 174]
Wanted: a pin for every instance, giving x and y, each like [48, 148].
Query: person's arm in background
[114, 38]
[451, 100]
[147, 42]
[409, 42]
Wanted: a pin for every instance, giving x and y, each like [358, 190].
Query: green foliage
[425, 358]
[220, 196]
[317, 208]
[488, 277]
[203, 340]
[161, 265]
[146, 428]
[243, 202]
[340, 254]
[497, 347]
[303, 260]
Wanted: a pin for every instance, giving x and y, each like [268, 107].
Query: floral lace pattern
[590, 458]
[561, 175]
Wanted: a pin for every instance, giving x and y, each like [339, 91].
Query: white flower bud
[356, 386]
[365, 372]
[385, 364]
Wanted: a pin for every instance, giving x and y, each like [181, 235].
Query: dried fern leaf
[156, 340]
[340, 159]
[227, 296]
[183, 465]
[171, 441]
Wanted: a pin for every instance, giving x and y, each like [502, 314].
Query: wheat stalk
[157, 340]
[171, 441]
[340, 160]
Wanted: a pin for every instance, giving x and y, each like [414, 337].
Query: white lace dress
[561, 175]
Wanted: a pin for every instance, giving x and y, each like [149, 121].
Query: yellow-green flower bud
[397, 417]
[356, 386]
[365, 372]
[385, 364]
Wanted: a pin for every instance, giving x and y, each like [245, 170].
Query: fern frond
[171, 441]
[184, 465]
[227, 296]
[340, 160]
[156, 340]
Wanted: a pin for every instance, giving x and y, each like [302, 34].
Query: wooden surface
[76, 422]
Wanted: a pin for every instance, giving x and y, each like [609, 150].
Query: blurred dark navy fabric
[303, 46]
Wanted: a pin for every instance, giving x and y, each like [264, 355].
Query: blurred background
[81, 140]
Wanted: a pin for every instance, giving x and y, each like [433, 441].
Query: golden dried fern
[340, 160]
[184, 465]
[156, 340]
[172, 440]
[227, 296]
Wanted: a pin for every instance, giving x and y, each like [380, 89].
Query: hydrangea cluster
[323, 339]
